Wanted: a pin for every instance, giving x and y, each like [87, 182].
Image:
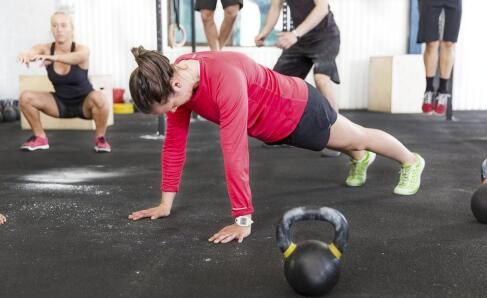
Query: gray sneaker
[428, 102]
[441, 103]
[483, 171]
[330, 153]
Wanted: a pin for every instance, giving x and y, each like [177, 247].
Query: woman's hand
[24, 58]
[3, 219]
[154, 213]
[45, 59]
[231, 232]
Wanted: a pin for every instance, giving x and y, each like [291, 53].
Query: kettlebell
[15, 104]
[312, 267]
[478, 204]
[8, 111]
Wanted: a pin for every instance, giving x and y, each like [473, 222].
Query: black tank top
[74, 84]
[300, 9]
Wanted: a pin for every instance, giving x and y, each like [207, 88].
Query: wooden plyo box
[396, 84]
[102, 83]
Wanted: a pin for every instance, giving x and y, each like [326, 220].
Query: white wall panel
[469, 90]
[24, 23]
[111, 28]
[368, 28]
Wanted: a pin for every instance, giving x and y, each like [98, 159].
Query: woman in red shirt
[248, 99]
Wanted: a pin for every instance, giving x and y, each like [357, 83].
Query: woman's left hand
[230, 233]
[286, 40]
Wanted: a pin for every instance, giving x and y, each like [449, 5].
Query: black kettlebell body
[478, 204]
[312, 267]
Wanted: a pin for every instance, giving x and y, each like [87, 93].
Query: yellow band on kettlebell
[335, 251]
[289, 250]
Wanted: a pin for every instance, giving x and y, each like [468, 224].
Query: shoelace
[442, 99]
[356, 166]
[102, 140]
[407, 175]
[32, 138]
[428, 97]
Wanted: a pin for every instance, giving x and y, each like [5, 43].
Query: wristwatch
[244, 221]
[296, 34]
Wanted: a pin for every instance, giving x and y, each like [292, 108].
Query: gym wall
[111, 27]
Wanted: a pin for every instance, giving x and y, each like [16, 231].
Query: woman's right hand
[24, 58]
[154, 213]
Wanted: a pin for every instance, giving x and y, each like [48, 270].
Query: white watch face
[243, 221]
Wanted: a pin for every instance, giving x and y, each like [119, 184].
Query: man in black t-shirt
[315, 41]
[438, 50]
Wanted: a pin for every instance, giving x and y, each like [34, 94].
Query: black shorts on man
[211, 4]
[429, 21]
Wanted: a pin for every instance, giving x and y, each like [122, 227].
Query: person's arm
[80, 56]
[232, 100]
[26, 57]
[173, 156]
[270, 21]
[317, 14]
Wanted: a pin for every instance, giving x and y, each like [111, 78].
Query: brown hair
[150, 81]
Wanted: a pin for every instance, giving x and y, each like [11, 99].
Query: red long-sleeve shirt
[244, 99]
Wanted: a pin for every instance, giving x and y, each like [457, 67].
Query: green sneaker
[358, 170]
[410, 178]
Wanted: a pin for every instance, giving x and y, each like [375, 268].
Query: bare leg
[226, 28]
[447, 58]
[95, 107]
[431, 58]
[31, 103]
[353, 139]
[3, 219]
[207, 16]
[323, 84]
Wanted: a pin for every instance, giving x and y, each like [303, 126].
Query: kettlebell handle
[283, 230]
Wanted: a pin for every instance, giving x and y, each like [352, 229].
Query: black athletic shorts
[70, 108]
[211, 4]
[429, 24]
[298, 59]
[313, 130]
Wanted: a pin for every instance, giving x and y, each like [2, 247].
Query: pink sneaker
[35, 143]
[101, 145]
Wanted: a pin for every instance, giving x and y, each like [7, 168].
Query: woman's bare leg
[31, 103]
[353, 139]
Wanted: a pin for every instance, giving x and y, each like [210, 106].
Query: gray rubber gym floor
[68, 235]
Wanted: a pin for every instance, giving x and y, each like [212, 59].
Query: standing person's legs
[429, 33]
[207, 11]
[324, 55]
[231, 9]
[430, 58]
[453, 16]
[211, 32]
